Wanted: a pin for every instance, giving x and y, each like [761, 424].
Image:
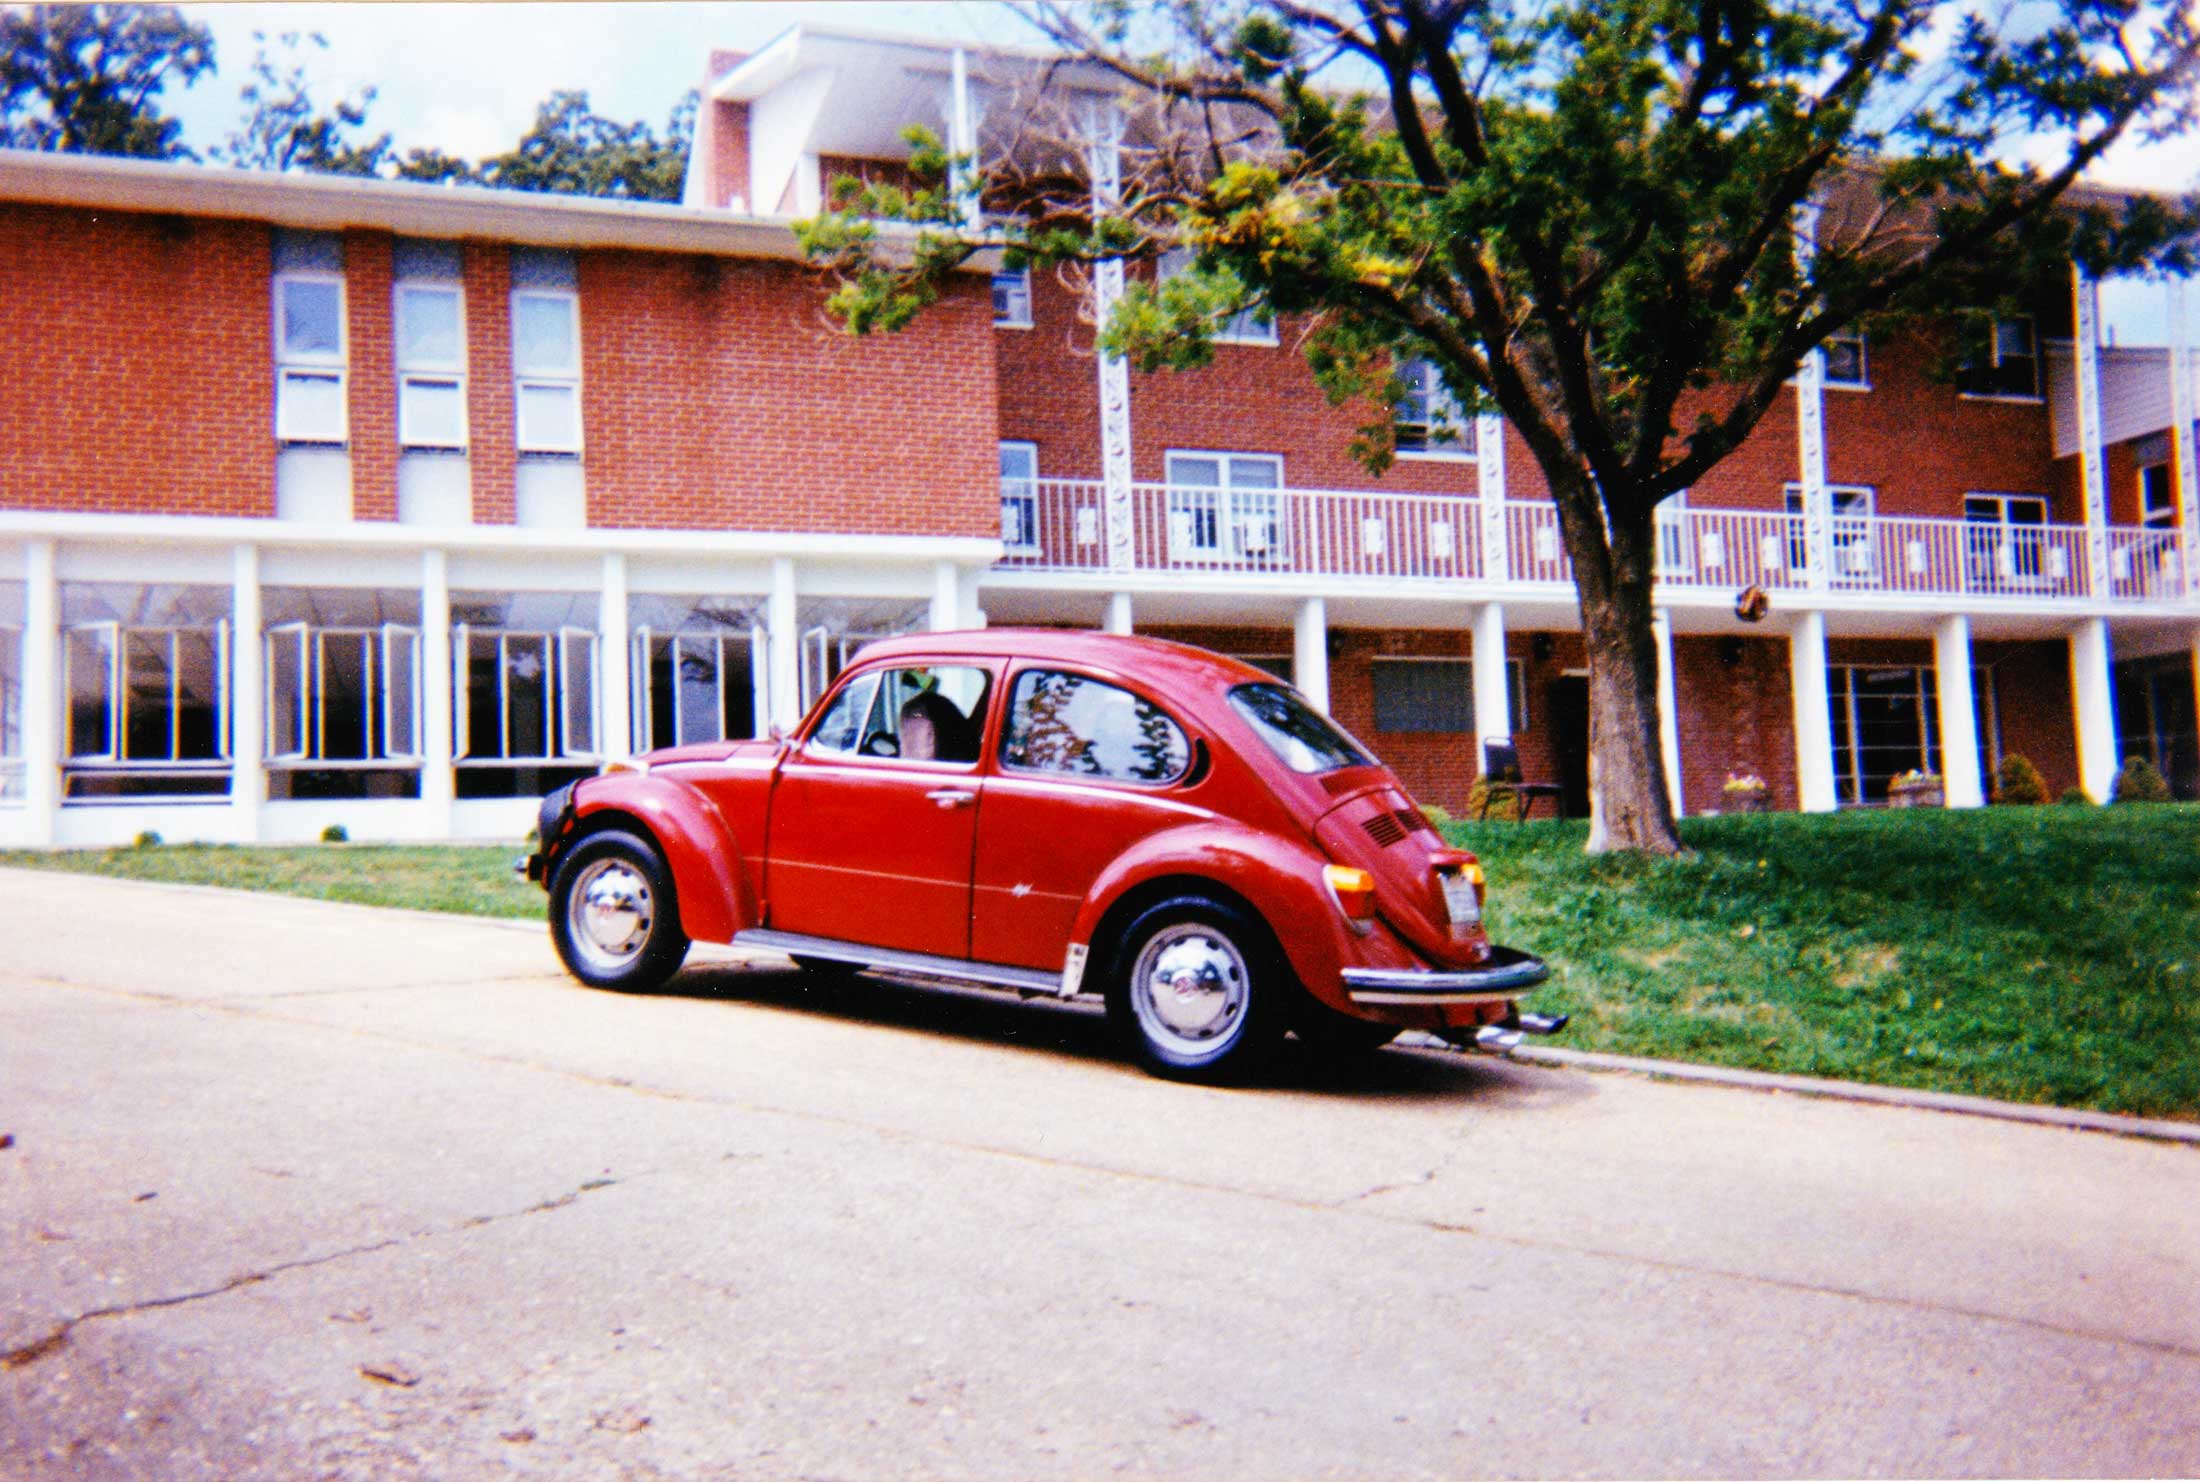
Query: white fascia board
[192, 530]
[782, 124]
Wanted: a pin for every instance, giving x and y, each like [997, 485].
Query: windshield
[1295, 731]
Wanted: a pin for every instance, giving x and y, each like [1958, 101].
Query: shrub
[2075, 797]
[2138, 782]
[335, 833]
[148, 839]
[2017, 781]
[1507, 806]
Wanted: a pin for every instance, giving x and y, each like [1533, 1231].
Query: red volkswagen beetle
[1051, 812]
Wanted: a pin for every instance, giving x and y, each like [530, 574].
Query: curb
[2072, 1119]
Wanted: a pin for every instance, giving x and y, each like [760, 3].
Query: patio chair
[1501, 778]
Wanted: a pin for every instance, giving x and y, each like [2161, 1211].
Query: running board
[888, 959]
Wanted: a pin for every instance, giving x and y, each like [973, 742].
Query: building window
[1853, 545]
[2008, 367]
[1883, 725]
[2157, 486]
[1252, 326]
[1676, 551]
[524, 669]
[310, 343]
[2006, 543]
[1848, 362]
[1020, 497]
[1428, 419]
[1437, 695]
[1012, 299]
[146, 673]
[1225, 507]
[546, 351]
[430, 315]
[343, 695]
[11, 712]
[698, 671]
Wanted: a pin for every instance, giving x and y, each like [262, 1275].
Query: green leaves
[89, 78]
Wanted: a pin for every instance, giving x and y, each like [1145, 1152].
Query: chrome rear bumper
[1508, 975]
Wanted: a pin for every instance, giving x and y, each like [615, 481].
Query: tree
[573, 150]
[282, 130]
[87, 78]
[1584, 213]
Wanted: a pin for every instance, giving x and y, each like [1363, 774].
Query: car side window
[1070, 723]
[930, 713]
[843, 722]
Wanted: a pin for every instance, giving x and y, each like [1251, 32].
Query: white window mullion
[462, 711]
[576, 735]
[222, 742]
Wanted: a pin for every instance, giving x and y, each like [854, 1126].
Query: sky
[465, 78]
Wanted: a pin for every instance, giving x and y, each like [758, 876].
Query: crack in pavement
[1391, 1188]
[52, 1342]
[1351, 1206]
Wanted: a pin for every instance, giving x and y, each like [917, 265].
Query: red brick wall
[372, 383]
[136, 371]
[722, 148]
[2038, 719]
[490, 433]
[717, 396]
[1735, 712]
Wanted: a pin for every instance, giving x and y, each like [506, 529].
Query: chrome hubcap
[1189, 987]
[610, 912]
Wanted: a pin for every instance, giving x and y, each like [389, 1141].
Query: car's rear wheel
[1198, 991]
[614, 914]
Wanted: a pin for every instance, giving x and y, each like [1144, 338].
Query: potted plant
[1916, 788]
[1744, 792]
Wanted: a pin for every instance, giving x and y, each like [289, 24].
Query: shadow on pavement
[1079, 1030]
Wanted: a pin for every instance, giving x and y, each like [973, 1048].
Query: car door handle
[952, 797]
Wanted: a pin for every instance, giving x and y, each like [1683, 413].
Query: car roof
[1131, 655]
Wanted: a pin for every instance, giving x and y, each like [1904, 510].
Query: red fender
[698, 844]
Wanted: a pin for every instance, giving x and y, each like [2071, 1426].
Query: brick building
[391, 506]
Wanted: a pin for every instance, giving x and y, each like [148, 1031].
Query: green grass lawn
[2034, 954]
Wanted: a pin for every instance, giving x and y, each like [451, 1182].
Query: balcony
[1060, 525]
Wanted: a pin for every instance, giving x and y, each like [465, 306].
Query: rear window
[1300, 736]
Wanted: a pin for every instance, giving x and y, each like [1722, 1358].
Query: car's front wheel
[1198, 991]
[614, 914]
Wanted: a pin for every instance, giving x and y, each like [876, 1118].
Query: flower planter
[1747, 802]
[1917, 797]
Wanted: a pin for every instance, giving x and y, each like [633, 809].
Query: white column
[1492, 695]
[43, 703]
[1960, 782]
[973, 613]
[782, 622]
[1810, 427]
[1813, 720]
[1489, 470]
[1119, 613]
[615, 663]
[2186, 480]
[2092, 463]
[1669, 724]
[247, 695]
[2093, 697]
[962, 140]
[438, 684]
[1104, 159]
[1310, 652]
[946, 611]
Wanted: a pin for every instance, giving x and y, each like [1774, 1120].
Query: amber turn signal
[1354, 889]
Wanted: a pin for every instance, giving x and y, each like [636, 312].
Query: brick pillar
[489, 411]
[373, 376]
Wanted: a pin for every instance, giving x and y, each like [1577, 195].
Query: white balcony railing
[1062, 525]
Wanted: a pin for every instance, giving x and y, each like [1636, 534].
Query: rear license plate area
[1459, 901]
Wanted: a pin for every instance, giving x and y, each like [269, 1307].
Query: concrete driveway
[311, 1190]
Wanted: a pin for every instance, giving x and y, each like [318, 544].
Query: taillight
[1354, 891]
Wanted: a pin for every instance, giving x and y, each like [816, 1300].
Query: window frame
[642, 682]
[1851, 531]
[450, 373]
[1995, 360]
[2164, 515]
[309, 656]
[556, 700]
[1516, 692]
[116, 695]
[1019, 293]
[1224, 512]
[12, 763]
[1863, 380]
[1462, 446]
[562, 378]
[290, 365]
[1027, 497]
[1242, 327]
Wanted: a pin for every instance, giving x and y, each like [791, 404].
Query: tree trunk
[1629, 806]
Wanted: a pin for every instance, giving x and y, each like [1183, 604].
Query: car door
[874, 814]
[1084, 769]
